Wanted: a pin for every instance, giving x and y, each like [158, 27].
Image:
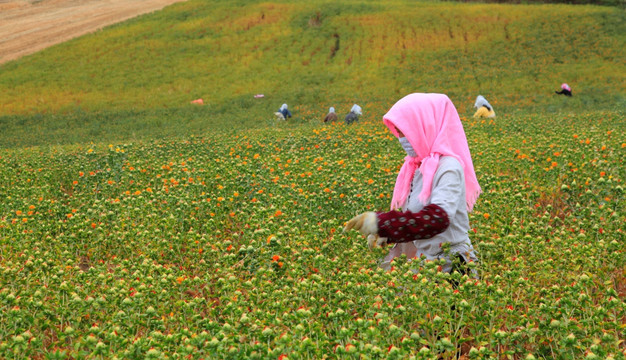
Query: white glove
[374, 241]
[367, 224]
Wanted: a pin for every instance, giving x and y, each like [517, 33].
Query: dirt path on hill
[27, 26]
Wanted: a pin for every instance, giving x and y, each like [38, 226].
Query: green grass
[136, 79]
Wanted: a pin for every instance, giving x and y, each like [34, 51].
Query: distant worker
[484, 109]
[354, 114]
[283, 113]
[332, 115]
[565, 90]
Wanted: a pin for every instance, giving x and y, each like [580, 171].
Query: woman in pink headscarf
[565, 90]
[435, 189]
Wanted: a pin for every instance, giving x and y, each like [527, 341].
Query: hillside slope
[139, 77]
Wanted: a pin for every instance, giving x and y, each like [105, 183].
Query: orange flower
[275, 258]
[278, 213]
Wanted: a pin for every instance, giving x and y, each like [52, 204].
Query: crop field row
[220, 246]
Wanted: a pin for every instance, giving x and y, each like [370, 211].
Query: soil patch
[27, 26]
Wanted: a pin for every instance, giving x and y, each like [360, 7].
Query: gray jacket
[448, 191]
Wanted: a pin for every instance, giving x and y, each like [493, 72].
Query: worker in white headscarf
[283, 113]
[332, 115]
[354, 114]
[484, 109]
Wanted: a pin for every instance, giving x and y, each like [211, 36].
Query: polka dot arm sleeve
[407, 226]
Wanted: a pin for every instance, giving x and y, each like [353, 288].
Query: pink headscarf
[564, 86]
[431, 124]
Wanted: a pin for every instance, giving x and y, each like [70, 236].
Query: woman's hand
[367, 224]
[374, 241]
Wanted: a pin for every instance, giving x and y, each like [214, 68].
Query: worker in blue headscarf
[283, 113]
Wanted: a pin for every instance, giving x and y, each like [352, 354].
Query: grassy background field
[135, 80]
[135, 225]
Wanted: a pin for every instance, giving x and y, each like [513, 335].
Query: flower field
[229, 245]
